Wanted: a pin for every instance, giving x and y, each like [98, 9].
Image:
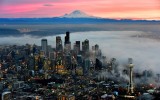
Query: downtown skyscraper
[67, 43]
[44, 46]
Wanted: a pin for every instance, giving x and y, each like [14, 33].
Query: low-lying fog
[118, 44]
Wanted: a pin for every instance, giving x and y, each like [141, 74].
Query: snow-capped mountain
[77, 14]
[75, 17]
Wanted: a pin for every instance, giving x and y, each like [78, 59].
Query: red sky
[134, 9]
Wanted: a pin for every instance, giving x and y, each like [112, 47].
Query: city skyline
[144, 9]
[79, 50]
[28, 70]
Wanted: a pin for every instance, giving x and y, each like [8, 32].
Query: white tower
[130, 65]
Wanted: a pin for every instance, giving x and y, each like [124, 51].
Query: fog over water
[118, 44]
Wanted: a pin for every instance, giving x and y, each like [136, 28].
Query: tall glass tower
[44, 46]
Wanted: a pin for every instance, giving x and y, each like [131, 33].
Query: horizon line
[94, 17]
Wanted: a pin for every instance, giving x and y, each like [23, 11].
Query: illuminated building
[66, 97]
[59, 67]
[47, 64]
[36, 59]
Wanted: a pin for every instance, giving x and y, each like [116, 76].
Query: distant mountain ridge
[75, 17]
[57, 20]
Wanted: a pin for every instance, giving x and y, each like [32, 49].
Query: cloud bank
[118, 44]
